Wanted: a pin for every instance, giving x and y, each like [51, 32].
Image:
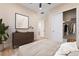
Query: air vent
[42, 12]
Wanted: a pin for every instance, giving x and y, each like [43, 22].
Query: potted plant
[3, 34]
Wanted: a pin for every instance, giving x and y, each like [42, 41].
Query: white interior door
[57, 27]
[41, 28]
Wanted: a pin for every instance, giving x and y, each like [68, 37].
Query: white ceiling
[35, 7]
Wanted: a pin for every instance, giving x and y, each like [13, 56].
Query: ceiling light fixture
[40, 6]
[42, 12]
[49, 3]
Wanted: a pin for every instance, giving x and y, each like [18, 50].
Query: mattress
[43, 47]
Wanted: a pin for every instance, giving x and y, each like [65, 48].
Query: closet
[69, 25]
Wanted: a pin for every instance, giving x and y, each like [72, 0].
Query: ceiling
[45, 7]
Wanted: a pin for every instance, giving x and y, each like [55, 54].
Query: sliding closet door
[57, 27]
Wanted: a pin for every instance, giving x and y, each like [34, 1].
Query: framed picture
[21, 21]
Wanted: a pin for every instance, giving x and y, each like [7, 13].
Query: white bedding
[66, 48]
[43, 47]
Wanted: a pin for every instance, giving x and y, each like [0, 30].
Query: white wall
[7, 13]
[59, 9]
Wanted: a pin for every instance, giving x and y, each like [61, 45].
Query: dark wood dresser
[19, 38]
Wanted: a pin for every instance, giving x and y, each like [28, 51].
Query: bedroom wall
[7, 13]
[59, 9]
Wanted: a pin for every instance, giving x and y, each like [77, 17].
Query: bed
[46, 47]
[67, 48]
[43, 47]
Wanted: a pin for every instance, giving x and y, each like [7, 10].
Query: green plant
[3, 34]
